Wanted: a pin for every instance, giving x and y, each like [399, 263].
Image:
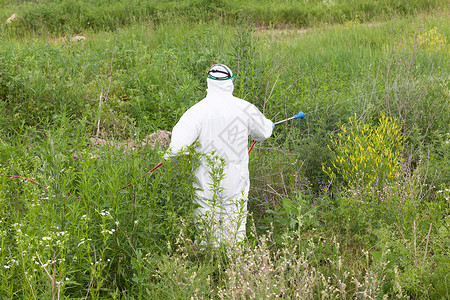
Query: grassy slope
[156, 68]
[157, 73]
[62, 17]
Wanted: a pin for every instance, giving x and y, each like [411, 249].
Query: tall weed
[87, 241]
[366, 154]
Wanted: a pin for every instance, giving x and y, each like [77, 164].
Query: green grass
[147, 62]
[72, 17]
[311, 13]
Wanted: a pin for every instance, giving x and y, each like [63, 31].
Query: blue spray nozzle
[300, 115]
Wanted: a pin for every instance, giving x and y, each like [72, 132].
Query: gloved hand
[166, 156]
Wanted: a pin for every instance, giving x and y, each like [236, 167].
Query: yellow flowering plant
[432, 41]
[365, 152]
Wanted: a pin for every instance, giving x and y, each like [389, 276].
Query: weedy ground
[350, 202]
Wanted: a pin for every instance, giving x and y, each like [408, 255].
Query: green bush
[366, 154]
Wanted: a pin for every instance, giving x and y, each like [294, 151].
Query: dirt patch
[11, 19]
[160, 139]
[67, 39]
[285, 31]
[76, 38]
[280, 29]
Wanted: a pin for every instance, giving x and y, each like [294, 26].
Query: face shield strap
[215, 78]
[227, 72]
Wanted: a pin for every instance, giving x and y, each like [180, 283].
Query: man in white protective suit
[221, 124]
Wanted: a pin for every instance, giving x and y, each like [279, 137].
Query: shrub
[432, 40]
[366, 153]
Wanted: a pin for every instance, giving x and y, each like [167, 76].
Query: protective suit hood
[219, 88]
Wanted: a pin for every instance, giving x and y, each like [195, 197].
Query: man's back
[221, 124]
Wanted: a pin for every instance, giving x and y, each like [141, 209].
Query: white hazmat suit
[221, 123]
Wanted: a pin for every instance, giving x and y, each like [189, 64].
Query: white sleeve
[184, 133]
[260, 128]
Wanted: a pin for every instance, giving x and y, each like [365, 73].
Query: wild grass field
[351, 202]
